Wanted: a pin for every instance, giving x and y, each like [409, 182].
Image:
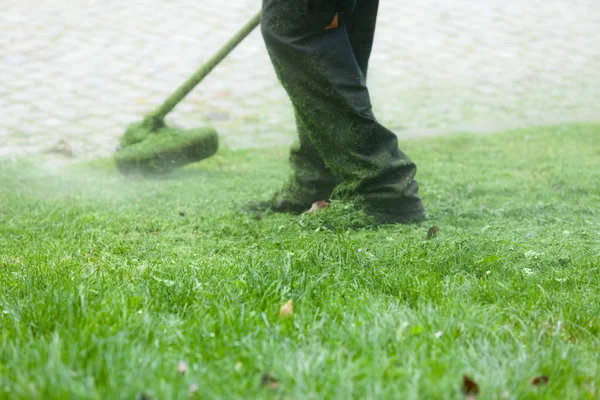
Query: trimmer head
[161, 151]
[150, 147]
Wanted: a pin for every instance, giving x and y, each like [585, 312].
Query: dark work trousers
[342, 150]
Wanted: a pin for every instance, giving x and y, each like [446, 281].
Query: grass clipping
[340, 215]
[167, 149]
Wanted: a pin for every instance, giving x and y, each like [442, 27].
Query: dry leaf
[33, 390]
[182, 368]
[287, 309]
[268, 380]
[62, 147]
[194, 389]
[470, 388]
[540, 380]
[318, 205]
[433, 232]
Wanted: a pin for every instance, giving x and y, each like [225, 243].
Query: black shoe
[278, 206]
[293, 199]
[404, 207]
[398, 217]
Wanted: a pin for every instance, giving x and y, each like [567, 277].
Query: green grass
[107, 282]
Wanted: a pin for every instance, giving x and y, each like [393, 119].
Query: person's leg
[322, 75]
[360, 25]
[310, 180]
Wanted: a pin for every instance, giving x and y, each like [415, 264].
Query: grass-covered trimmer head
[150, 147]
[165, 149]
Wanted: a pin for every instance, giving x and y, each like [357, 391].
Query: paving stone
[89, 69]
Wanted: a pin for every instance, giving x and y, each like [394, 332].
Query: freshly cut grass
[108, 283]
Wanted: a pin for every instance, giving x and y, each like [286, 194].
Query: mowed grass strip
[128, 288]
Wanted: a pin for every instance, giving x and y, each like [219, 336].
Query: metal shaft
[205, 69]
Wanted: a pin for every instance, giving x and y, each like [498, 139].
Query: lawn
[119, 288]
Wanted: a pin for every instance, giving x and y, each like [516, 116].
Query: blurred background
[79, 71]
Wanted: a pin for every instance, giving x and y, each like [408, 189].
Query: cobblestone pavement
[81, 71]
